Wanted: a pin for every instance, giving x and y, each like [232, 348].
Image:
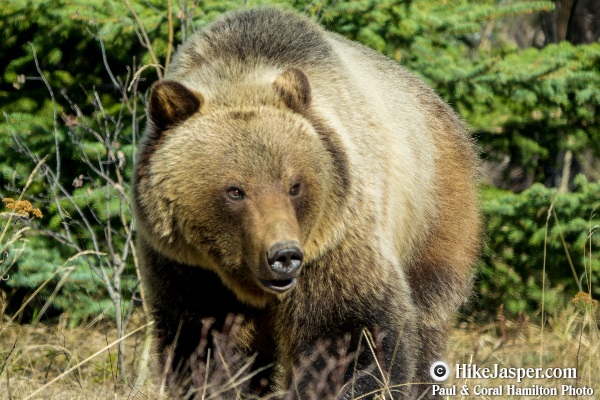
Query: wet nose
[285, 258]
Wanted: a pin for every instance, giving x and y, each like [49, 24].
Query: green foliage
[528, 105]
[81, 291]
[518, 246]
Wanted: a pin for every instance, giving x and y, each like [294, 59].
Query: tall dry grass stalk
[61, 363]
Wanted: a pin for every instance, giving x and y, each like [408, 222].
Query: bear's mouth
[278, 285]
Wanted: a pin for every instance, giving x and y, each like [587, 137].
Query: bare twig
[146, 42]
[566, 248]
[544, 285]
[170, 45]
[54, 111]
[98, 37]
[8, 355]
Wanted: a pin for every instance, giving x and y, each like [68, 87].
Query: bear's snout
[284, 259]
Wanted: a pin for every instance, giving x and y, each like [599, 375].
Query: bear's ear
[170, 103]
[294, 89]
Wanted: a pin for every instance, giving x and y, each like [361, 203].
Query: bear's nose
[285, 258]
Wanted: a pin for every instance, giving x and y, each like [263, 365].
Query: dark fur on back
[268, 34]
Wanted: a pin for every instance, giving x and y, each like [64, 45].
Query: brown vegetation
[31, 357]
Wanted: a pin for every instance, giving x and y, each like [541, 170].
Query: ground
[32, 356]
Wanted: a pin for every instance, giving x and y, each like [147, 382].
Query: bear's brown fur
[272, 144]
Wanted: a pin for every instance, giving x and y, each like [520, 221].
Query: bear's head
[237, 189]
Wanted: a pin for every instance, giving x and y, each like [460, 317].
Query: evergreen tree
[73, 86]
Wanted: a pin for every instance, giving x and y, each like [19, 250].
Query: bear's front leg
[383, 363]
[367, 361]
[191, 307]
[359, 354]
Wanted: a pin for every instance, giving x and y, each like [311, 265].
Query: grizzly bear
[313, 187]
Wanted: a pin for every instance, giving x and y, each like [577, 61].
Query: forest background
[524, 75]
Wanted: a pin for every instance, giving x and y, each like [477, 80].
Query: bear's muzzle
[284, 259]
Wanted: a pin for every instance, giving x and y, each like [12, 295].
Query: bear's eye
[235, 193]
[295, 190]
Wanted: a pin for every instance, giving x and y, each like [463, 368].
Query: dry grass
[35, 355]
[569, 340]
